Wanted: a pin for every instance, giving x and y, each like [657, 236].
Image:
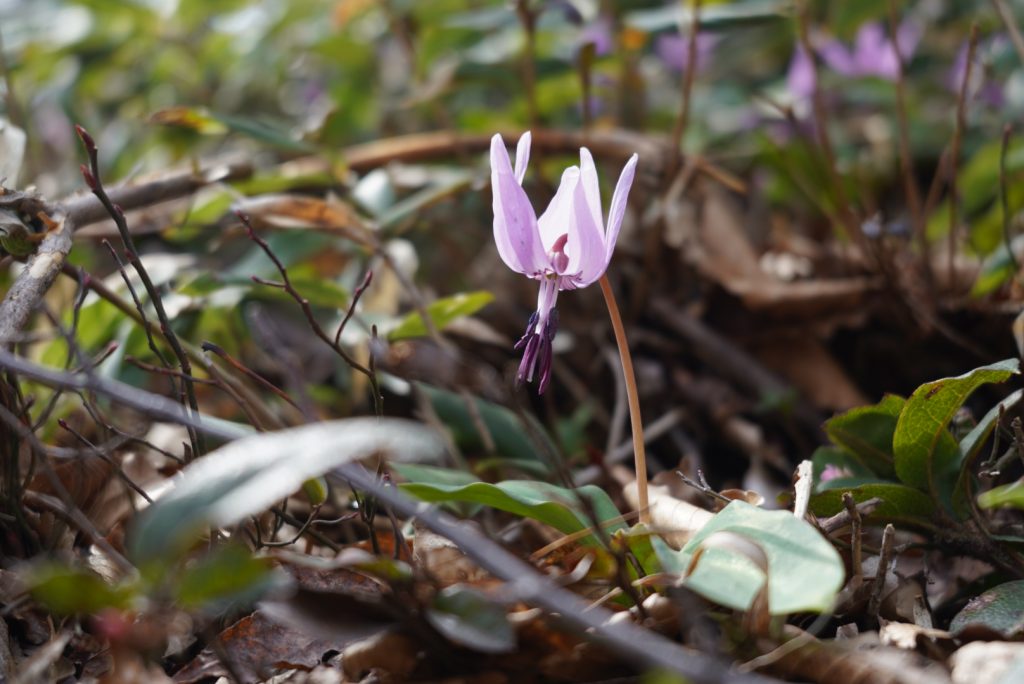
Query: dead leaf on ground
[258, 646]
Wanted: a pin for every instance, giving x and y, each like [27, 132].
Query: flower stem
[633, 398]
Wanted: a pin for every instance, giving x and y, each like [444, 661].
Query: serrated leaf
[1000, 609]
[804, 569]
[547, 503]
[866, 432]
[442, 312]
[926, 456]
[248, 475]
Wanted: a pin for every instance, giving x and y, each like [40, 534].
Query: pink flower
[567, 248]
[873, 52]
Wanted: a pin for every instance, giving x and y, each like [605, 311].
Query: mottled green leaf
[442, 312]
[866, 432]
[804, 569]
[926, 456]
[900, 503]
[1000, 609]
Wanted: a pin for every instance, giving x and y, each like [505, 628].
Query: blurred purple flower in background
[800, 79]
[567, 248]
[598, 32]
[674, 50]
[873, 52]
[982, 86]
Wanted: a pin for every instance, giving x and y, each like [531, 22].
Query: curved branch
[30, 286]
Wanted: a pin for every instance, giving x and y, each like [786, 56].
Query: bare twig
[855, 538]
[35, 279]
[91, 174]
[1004, 201]
[954, 153]
[689, 74]
[843, 518]
[528, 19]
[1010, 23]
[849, 221]
[307, 310]
[367, 279]
[913, 193]
[240, 367]
[884, 563]
[87, 209]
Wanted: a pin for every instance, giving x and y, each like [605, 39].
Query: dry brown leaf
[445, 561]
[805, 363]
[391, 652]
[906, 635]
[258, 646]
[674, 519]
[290, 211]
[861, 660]
[984, 662]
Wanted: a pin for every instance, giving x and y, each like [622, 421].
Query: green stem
[633, 398]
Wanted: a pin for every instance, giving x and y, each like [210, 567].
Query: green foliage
[228, 575]
[1000, 609]
[514, 442]
[467, 617]
[442, 312]
[804, 570]
[69, 591]
[249, 475]
[903, 452]
[866, 433]
[566, 510]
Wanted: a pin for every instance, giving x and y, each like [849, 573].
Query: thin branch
[689, 74]
[367, 279]
[307, 309]
[88, 209]
[35, 279]
[1004, 201]
[1010, 23]
[91, 174]
[848, 220]
[954, 153]
[913, 193]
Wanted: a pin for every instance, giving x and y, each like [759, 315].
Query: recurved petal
[591, 186]
[522, 156]
[588, 256]
[554, 222]
[618, 207]
[515, 223]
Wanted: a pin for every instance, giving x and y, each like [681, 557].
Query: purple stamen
[537, 350]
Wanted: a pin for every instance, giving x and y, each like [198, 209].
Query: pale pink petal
[585, 249]
[554, 222]
[838, 58]
[522, 156]
[618, 207]
[515, 223]
[591, 186]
